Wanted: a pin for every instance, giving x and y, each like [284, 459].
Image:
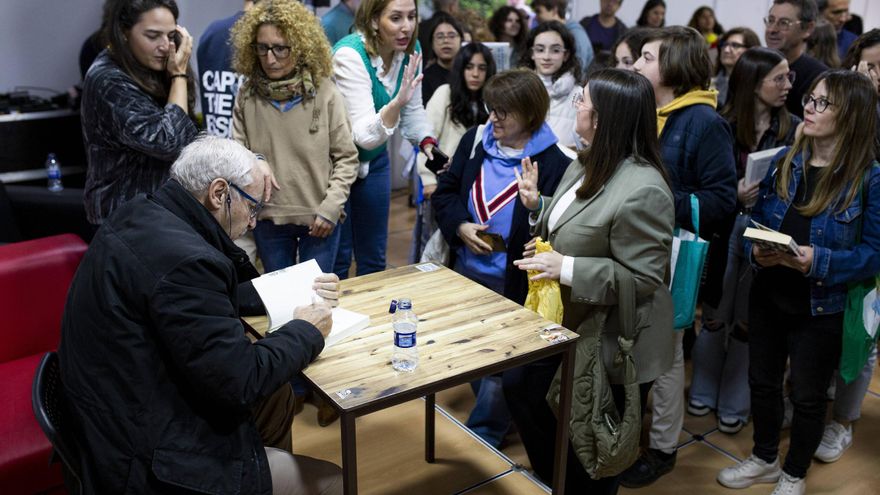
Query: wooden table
[465, 332]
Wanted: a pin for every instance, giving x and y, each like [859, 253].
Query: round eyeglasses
[819, 104]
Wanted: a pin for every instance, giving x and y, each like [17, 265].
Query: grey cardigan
[628, 221]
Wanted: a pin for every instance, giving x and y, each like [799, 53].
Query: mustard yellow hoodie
[693, 97]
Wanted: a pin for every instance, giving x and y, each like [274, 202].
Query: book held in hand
[757, 165]
[284, 290]
[770, 239]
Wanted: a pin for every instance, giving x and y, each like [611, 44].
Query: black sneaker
[648, 468]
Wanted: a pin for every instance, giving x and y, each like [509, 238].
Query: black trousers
[812, 345]
[525, 389]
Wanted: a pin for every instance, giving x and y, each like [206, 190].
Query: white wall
[40, 40]
[730, 13]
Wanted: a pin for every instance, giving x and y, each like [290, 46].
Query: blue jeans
[278, 246]
[720, 360]
[365, 230]
[490, 418]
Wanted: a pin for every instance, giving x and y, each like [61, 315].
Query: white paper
[870, 317]
[284, 290]
[673, 259]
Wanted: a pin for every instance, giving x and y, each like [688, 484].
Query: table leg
[564, 416]
[349, 454]
[429, 428]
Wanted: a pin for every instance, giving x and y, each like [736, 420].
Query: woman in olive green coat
[612, 206]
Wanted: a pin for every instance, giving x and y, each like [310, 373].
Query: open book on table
[771, 239]
[284, 290]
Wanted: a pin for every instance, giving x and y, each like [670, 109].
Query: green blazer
[628, 221]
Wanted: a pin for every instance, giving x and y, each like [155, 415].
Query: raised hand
[178, 56]
[528, 184]
[410, 80]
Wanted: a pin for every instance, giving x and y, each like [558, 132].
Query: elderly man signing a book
[164, 389]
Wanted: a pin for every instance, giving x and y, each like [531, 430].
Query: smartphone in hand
[495, 241]
[437, 163]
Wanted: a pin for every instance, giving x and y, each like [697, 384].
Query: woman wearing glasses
[291, 112]
[454, 108]
[446, 36]
[824, 192]
[476, 205]
[613, 207]
[137, 104]
[863, 56]
[756, 111]
[732, 45]
[550, 52]
[376, 70]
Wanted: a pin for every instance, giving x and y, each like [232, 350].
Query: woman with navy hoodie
[697, 149]
[478, 196]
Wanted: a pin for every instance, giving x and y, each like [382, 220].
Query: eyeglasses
[257, 205]
[779, 80]
[554, 50]
[577, 101]
[280, 51]
[499, 114]
[443, 37]
[733, 45]
[782, 23]
[819, 104]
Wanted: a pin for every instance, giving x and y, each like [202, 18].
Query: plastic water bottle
[53, 172]
[406, 354]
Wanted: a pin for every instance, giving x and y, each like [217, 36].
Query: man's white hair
[210, 157]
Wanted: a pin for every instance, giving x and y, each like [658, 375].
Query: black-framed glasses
[779, 80]
[499, 114]
[782, 23]
[280, 51]
[256, 207]
[819, 104]
[733, 45]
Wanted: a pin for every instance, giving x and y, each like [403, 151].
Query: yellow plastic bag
[544, 297]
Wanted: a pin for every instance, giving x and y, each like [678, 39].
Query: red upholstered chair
[34, 278]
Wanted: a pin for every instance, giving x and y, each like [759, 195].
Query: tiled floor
[702, 453]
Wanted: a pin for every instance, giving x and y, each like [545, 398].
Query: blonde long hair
[855, 101]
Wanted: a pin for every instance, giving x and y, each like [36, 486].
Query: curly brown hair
[308, 43]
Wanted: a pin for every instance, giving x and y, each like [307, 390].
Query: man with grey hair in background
[164, 389]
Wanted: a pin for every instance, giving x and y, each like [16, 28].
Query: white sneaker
[789, 485]
[835, 441]
[748, 472]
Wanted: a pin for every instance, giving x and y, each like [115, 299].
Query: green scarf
[300, 84]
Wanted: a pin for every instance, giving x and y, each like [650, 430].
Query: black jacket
[451, 198]
[159, 374]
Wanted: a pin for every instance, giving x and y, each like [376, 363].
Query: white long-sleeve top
[567, 198]
[353, 81]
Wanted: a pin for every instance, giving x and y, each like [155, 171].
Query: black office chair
[48, 400]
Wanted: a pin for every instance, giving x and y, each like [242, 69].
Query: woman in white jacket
[550, 52]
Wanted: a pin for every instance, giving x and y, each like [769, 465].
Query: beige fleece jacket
[314, 165]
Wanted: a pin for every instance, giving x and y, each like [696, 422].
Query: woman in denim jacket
[821, 192]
